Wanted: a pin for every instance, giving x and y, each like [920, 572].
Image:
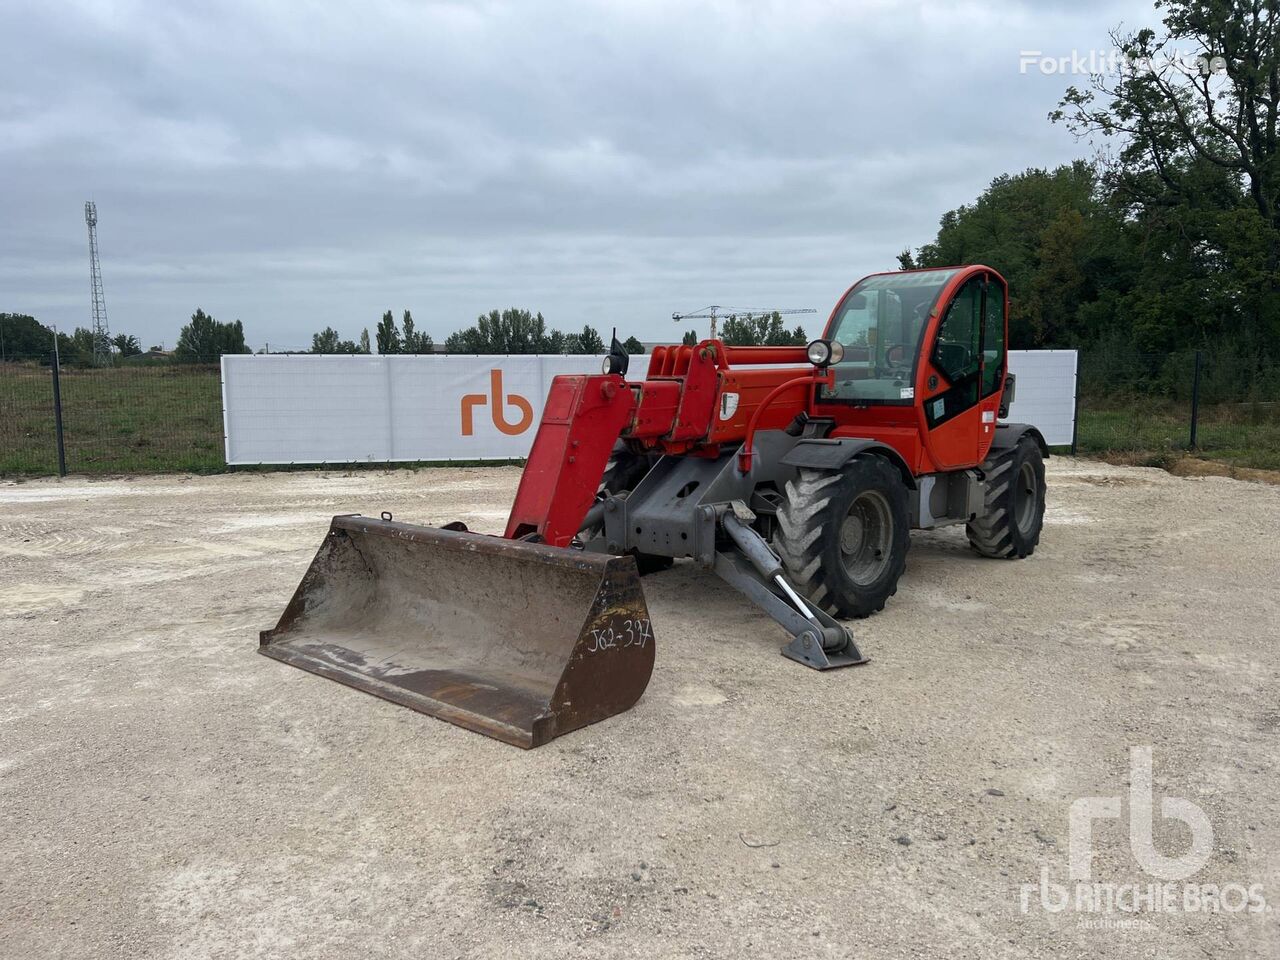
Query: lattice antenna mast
[101, 332]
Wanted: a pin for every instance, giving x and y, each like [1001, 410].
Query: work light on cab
[823, 353]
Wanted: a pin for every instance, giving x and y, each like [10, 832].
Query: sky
[297, 165]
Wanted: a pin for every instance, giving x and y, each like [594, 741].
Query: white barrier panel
[303, 408]
[1045, 395]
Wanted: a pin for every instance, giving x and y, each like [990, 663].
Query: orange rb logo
[497, 409]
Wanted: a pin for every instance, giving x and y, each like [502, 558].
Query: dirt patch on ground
[1188, 466]
[168, 793]
[1196, 467]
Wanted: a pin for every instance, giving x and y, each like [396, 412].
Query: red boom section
[676, 410]
[582, 420]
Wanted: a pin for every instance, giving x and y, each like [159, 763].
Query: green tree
[76, 349]
[364, 341]
[633, 346]
[738, 331]
[415, 342]
[510, 331]
[777, 335]
[204, 339]
[589, 341]
[1055, 239]
[388, 335]
[409, 339]
[326, 341]
[759, 331]
[1196, 172]
[1220, 110]
[126, 345]
[23, 337]
[690, 338]
[329, 341]
[517, 331]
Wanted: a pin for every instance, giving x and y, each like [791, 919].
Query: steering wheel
[956, 361]
[895, 359]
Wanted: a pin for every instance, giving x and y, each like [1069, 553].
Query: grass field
[169, 419]
[1156, 432]
[119, 420]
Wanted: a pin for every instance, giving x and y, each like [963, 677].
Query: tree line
[510, 331]
[203, 340]
[1170, 241]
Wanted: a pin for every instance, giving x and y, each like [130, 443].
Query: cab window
[881, 322]
[957, 354]
[993, 339]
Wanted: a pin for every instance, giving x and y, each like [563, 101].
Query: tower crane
[714, 313]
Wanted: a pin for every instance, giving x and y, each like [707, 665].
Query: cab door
[953, 380]
[995, 358]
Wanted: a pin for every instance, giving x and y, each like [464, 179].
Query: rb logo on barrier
[497, 409]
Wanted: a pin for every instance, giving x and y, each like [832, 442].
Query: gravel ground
[166, 792]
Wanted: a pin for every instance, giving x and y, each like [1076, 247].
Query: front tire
[843, 535]
[1010, 526]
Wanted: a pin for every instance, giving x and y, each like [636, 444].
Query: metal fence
[133, 417]
[1153, 406]
[139, 416]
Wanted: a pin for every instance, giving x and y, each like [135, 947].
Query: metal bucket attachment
[516, 640]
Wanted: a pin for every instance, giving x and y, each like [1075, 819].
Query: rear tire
[1010, 526]
[843, 535]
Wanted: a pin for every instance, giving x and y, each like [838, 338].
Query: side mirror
[1006, 398]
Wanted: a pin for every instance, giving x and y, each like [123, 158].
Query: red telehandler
[795, 473]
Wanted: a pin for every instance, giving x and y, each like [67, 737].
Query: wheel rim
[1025, 497]
[866, 535]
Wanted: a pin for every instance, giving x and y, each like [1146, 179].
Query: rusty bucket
[519, 641]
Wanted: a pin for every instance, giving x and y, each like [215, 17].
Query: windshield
[880, 322]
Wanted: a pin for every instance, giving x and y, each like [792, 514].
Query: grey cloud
[302, 165]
